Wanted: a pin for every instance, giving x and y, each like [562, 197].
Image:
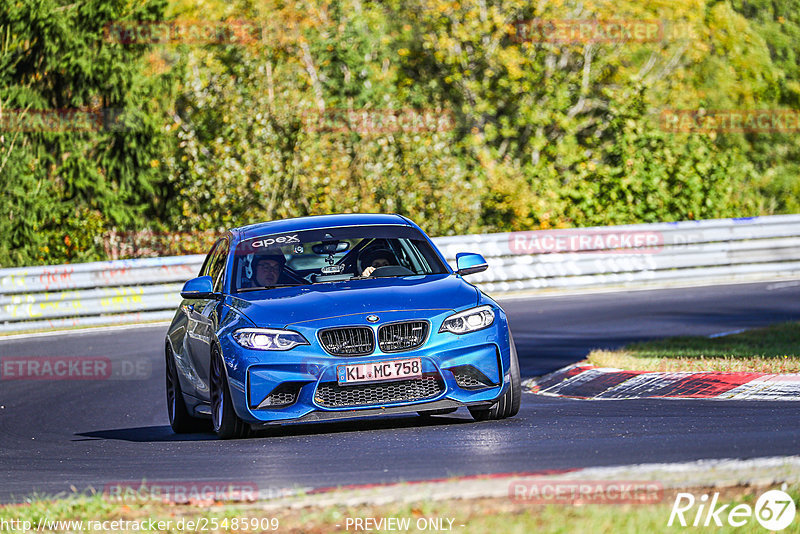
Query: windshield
[332, 255]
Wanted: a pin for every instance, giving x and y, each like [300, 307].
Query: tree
[81, 140]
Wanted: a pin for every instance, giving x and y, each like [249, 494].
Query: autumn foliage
[467, 116]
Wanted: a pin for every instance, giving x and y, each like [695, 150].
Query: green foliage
[61, 185]
[777, 156]
[509, 133]
[571, 121]
[303, 126]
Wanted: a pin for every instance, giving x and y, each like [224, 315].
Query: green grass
[774, 349]
[477, 516]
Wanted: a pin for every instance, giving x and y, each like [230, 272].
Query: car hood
[282, 307]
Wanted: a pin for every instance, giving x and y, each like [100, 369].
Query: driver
[377, 258]
[267, 269]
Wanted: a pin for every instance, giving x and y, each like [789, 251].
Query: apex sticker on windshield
[270, 241]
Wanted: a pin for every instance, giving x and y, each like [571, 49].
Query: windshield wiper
[259, 288]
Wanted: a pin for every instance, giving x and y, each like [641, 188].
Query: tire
[516, 383]
[226, 423]
[508, 404]
[179, 418]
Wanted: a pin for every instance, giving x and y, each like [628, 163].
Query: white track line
[87, 330]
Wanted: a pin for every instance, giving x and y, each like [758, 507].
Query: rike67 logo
[774, 510]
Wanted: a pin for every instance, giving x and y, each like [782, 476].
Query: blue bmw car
[334, 317]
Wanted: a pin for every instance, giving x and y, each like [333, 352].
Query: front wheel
[226, 423]
[179, 418]
[508, 404]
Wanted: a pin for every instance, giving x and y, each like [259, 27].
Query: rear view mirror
[330, 247]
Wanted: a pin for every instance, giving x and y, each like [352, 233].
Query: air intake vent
[349, 341]
[332, 395]
[398, 337]
[282, 396]
[468, 377]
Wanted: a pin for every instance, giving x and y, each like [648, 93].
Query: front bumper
[309, 374]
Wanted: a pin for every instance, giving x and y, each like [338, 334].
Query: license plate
[378, 371]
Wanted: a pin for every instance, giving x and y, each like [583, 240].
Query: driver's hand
[368, 271]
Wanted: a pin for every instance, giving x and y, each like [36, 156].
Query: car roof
[316, 222]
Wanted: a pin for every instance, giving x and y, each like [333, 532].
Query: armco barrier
[88, 294]
[633, 255]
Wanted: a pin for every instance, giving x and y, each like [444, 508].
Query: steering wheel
[293, 275]
[391, 270]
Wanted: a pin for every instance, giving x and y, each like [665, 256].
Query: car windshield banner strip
[275, 241]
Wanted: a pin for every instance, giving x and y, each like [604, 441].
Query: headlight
[268, 339]
[469, 321]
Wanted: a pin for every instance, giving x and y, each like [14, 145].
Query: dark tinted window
[206, 268]
[217, 270]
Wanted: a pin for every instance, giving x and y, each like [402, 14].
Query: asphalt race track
[58, 434]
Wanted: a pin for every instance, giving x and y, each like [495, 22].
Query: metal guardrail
[140, 290]
[87, 294]
[717, 249]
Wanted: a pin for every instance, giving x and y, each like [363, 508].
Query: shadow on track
[163, 433]
[142, 434]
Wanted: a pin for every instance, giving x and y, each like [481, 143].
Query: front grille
[332, 395]
[397, 337]
[348, 341]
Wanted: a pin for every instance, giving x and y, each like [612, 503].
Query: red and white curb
[588, 382]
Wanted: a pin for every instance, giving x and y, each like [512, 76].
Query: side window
[205, 270]
[411, 258]
[218, 266]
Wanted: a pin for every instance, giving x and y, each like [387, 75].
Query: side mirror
[469, 263]
[201, 287]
